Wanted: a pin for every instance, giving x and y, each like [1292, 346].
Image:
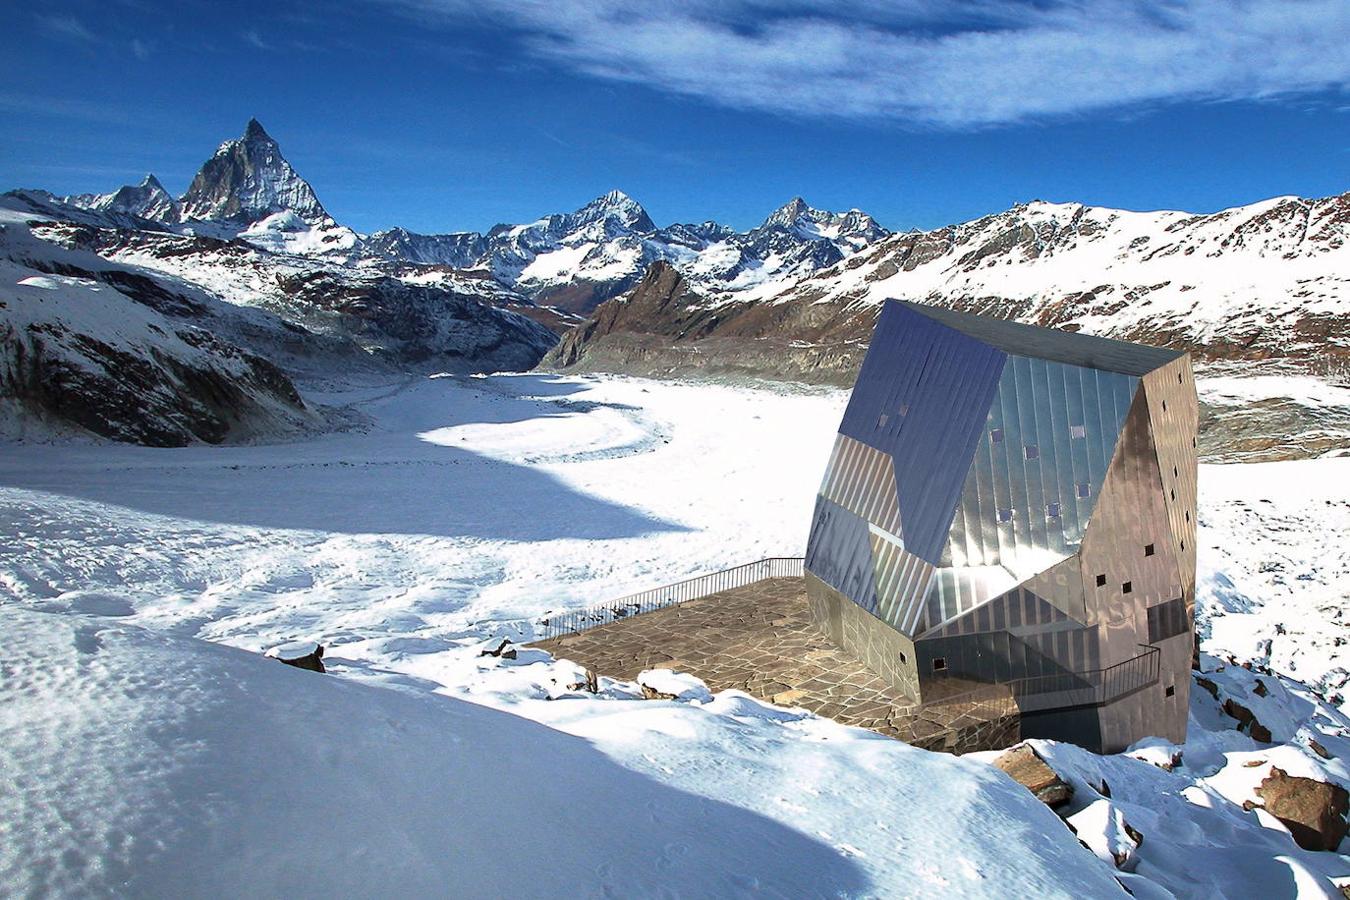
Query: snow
[154, 756]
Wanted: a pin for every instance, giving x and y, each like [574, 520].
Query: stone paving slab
[761, 639]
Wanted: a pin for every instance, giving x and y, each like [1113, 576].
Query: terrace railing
[576, 621]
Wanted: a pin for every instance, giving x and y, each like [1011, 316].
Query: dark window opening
[939, 664]
[1052, 510]
[1148, 549]
[1174, 494]
[1084, 489]
[1005, 515]
[1188, 515]
[1178, 378]
[1171, 690]
[1175, 473]
[1127, 587]
[1032, 451]
[902, 657]
[1193, 443]
[996, 435]
[1164, 406]
[1101, 581]
[1183, 545]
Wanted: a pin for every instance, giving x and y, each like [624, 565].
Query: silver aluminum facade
[1018, 504]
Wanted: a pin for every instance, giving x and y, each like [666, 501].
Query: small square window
[904, 409]
[996, 435]
[1031, 451]
[1084, 489]
[1005, 515]
[881, 423]
[1171, 690]
[903, 660]
[1052, 510]
[1148, 549]
[1077, 431]
[1127, 587]
[939, 664]
[1101, 581]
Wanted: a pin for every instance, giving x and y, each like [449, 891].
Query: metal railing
[1091, 687]
[575, 621]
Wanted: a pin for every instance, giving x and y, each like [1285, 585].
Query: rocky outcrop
[306, 655]
[1025, 766]
[1313, 811]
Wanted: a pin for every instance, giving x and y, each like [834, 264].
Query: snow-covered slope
[93, 346]
[151, 765]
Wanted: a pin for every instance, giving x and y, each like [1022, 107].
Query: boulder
[1025, 766]
[1247, 720]
[1313, 811]
[301, 654]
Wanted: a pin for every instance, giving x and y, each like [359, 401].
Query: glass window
[1077, 431]
[881, 423]
[1052, 510]
[904, 409]
[939, 664]
[1148, 549]
[1084, 489]
[996, 435]
[1005, 514]
[1032, 451]
[1101, 581]
[1127, 587]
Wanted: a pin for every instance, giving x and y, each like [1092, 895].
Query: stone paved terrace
[760, 639]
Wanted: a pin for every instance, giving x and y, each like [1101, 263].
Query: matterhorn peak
[255, 132]
[248, 180]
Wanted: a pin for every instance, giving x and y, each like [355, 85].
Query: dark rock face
[1313, 811]
[145, 395]
[312, 662]
[420, 325]
[1027, 768]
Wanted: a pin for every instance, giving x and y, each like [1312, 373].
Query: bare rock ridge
[247, 180]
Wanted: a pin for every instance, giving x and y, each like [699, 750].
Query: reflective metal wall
[1025, 519]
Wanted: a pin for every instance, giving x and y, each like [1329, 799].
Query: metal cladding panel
[1174, 412]
[922, 396]
[1038, 467]
[862, 480]
[839, 553]
[902, 581]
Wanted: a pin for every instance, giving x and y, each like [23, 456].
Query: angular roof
[1052, 344]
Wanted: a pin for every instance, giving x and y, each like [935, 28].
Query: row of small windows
[1076, 433]
[1053, 510]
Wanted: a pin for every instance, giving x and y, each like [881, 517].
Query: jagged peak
[150, 182]
[616, 205]
[255, 132]
[789, 212]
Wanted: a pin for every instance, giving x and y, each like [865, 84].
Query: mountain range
[793, 297]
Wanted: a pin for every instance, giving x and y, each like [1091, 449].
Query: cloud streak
[957, 65]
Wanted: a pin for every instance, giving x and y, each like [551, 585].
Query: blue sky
[444, 115]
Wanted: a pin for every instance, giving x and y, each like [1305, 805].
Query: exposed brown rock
[1209, 686]
[313, 662]
[1025, 766]
[1313, 811]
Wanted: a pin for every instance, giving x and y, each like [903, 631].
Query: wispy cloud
[140, 48]
[254, 39]
[68, 28]
[961, 64]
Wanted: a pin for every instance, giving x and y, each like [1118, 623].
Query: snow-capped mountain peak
[148, 200]
[248, 180]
